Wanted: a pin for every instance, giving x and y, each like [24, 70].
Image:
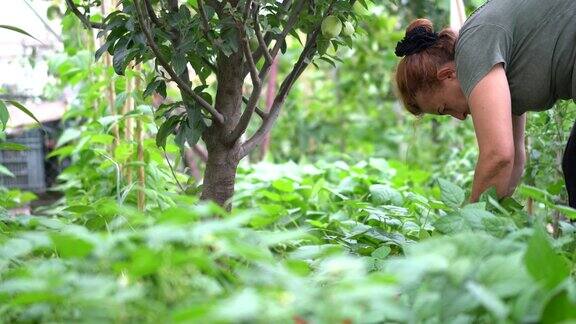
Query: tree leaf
[24, 110]
[9, 146]
[179, 62]
[18, 30]
[166, 129]
[69, 134]
[4, 115]
[4, 170]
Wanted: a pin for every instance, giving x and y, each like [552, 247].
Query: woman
[511, 56]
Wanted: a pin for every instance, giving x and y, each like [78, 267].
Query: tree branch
[205, 23]
[181, 84]
[292, 19]
[269, 36]
[201, 152]
[151, 13]
[259, 111]
[82, 17]
[261, 41]
[299, 67]
[247, 6]
[256, 91]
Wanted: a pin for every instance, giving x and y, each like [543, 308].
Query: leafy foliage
[311, 242]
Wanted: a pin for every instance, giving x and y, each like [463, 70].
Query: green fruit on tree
[331, 26]
[254, 44]
[348, 29]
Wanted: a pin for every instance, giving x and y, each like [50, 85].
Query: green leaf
[179, 62]
[69, 245]
[120, 55]
[79, 209]
[469, 218]
[559, 309]
[166, 129]
[123, 151]
[24, 110]
[488, 299]
[567, 211]
[9, 146]
[101, 51]
[156, 85]
[451, 194]
[68, 135]
[452, 223]
[285, 185]
[504, 275]
[144, 262]
[4, 115]
[535, 193]
[18, 30]
[4, 170]
[384, 194]
[542, 261]
[382, 252]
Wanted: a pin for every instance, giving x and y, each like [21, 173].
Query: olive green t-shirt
[536, 41]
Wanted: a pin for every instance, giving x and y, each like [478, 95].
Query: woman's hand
[490, 106]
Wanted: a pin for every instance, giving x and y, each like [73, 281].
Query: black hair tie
[416, 40]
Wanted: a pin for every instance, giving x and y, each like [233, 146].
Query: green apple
[348, 29]
[331, 26]
[254, 44]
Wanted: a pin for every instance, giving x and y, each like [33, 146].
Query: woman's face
[447, 99]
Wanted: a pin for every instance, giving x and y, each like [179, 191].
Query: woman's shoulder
[492, 14]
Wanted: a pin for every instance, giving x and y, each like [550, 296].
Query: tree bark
[220, 174]
[223, 159]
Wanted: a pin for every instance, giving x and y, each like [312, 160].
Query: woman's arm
[518, 126]
[490, 106]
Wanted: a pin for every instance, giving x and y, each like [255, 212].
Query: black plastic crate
[27, 166]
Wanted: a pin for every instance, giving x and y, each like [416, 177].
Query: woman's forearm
[517, 172]
[492, 172]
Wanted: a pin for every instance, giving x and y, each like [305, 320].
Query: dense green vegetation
[357, 214]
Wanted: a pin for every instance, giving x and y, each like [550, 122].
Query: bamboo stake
[140, 139]
[111, 90]
[126, 108]
[530, 202]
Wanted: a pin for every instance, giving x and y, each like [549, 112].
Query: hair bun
[416, 40]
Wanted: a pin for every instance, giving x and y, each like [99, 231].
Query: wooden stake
[139, 136]
[126, 108]
[111, 90]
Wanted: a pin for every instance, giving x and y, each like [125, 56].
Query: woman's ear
[447, 71]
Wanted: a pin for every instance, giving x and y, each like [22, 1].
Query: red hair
[417, 72]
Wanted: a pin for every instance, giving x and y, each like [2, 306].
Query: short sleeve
[478, 49]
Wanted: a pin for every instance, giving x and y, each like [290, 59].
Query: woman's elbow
[500, 159]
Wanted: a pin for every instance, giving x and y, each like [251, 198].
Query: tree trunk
[223, 158]
[220, 174]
